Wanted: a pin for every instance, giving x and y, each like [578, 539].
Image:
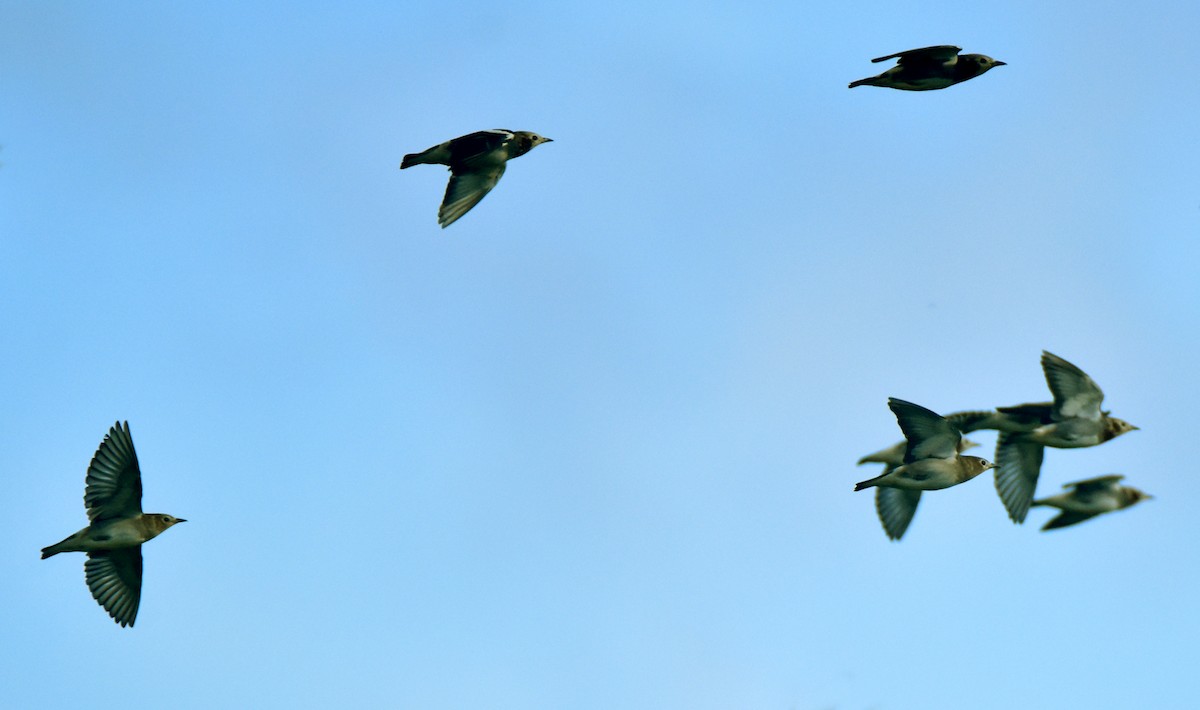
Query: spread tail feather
[409, 160]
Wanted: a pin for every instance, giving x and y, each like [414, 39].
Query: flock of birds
[930, 458]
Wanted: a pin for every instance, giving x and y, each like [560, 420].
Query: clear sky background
[593, 445]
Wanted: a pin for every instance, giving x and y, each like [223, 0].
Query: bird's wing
[896, 508]
[1035, 413]
[114, 481]
[465, 148]
[1018, 463]
[1095, 484]
[925, 55]
[115, 578]
[1066, 518]
[928, 434]
[1075, 394]
[967, 422]
[465, 190]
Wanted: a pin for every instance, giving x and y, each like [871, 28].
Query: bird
[476, 162]
[1090, 498]
[118, 527]
[931, 461]
[1073, 420]
[929, 68]
[896, 506]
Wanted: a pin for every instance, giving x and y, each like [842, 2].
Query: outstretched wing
[1034, 414]
[1018, 464]
[1075, 394]
[928, 434]
[464, 149]
[1099, 483]
[465, 190]
[114, 481]
[1066, 518]
[115, 579]
[939, 54]
[896, 508]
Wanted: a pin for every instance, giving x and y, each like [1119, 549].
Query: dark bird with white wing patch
[476, 161]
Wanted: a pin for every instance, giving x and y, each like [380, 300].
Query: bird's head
[531, 139]
[1114, 427]
[976, 465]
[982, 61]
[158, 522]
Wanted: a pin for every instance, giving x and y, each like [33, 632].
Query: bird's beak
[180, 520]
[547, 140]
[1000, 64]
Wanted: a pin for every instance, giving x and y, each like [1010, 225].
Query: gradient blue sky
[593, 445]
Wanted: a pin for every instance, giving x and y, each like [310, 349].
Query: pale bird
[931, 461]
[113, 540]
[1073, 420]
[1087, 499]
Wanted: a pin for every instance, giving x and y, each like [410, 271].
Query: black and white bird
[1090, 498]
[476, 163]
[931, 462]
[929, 68]
[1073, 420]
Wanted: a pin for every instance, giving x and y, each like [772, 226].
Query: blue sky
[593, 445]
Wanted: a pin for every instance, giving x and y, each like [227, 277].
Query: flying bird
[113, 540]
[929, 68]
[1073, 420]
[476, 163]
[931, 461]
[1090, 498]
[896, 507]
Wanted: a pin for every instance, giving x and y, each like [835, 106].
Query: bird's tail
[863, 82]
[60, 546]
[417, 158]
[870, 482]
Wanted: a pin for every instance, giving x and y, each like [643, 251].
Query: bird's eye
[167, 518]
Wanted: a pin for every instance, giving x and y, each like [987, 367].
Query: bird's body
[1073, 420]
[924, 475]
[929, 68]
[1087, 499]
[113, 534]
[930, 461]
[113, 540]
[477, 162]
